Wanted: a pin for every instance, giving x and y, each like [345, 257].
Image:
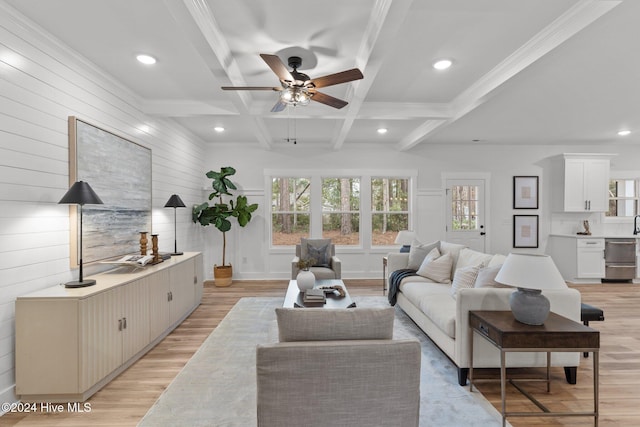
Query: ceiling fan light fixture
[294, 95]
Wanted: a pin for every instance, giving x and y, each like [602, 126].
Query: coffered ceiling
[523, 72]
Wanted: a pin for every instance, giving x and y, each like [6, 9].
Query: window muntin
[389, 209]
[290, 210]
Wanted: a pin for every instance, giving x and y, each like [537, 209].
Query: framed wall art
[525, 192]
[525, 231]
[119, 171]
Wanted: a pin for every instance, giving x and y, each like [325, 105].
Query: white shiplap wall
[42, 83]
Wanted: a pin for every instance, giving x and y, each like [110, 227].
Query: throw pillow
[438, 269]
[497, 259]
[453, 249]
[487, 278]
[469, 257]
[433, 254]
[418, 252]
[312, 248]
[464, 278]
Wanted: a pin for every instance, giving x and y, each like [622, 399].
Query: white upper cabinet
[586, 182]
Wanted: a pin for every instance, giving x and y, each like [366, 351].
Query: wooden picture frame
[525, 231]
[119, 171]
[525, 192]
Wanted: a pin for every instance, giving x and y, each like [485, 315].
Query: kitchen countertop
[597, 236]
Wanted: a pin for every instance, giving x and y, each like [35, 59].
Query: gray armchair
[329, 266]
[347, 372]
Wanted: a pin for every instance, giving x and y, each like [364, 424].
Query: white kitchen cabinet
[580, 259]
[586, 184]
[590, 258]
[71, 342]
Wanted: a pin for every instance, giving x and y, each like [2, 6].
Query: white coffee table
[293, 297]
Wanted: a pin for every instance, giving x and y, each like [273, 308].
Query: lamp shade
[530, 271]
[80, 193]
[174, 202]
[405, 237]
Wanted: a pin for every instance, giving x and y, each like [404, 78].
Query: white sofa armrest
[397, 261]
[565, 302]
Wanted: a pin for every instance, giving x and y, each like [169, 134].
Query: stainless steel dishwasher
[620, 259]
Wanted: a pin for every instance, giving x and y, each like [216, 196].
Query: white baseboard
[8, 395]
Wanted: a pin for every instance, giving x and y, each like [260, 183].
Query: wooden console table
[558, 334]
[70, 342]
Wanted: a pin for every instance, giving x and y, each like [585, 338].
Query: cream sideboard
[71, 342]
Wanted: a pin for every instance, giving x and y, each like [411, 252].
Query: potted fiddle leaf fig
[219, 214]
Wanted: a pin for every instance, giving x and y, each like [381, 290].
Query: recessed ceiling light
[382, 131]
[146, 59]
[624, 132]
[442, 64]
[218, 129]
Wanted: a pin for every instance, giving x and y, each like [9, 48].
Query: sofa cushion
[464, 277]
[433, 254]
[438, 269]
[468, 258]
[322, 324]
[418, 252]
[487, 278]
[453, 249]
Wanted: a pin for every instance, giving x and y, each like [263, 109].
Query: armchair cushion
[320, 324]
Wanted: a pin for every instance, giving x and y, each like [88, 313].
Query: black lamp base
[177, 253]
[82, 284]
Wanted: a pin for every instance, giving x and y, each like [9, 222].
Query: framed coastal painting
[119, 171]
[525, 192]
[525, 231]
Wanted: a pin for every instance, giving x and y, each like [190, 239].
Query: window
[290, 210]
[359, 210]
[623, 198]
[341, 210]
[389, 209]
[464, 203]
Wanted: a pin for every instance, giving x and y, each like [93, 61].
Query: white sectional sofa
[443, 313]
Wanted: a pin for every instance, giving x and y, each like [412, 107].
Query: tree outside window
[290, 210]
[341, 210]
[389, 209]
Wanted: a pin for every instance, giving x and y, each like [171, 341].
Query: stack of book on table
[314, 296]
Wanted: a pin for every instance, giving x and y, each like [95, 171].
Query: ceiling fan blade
[276, 65]
[251, 88]
[328, 100]
[337, 78]
[279, 106]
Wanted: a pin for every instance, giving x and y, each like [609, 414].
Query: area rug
[217, 387]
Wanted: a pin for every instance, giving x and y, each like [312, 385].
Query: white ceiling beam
[578, 17]
[385, 20]
[206, 22]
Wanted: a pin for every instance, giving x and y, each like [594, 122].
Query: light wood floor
[125, 400]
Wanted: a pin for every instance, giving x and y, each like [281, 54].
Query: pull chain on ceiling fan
[297, 88]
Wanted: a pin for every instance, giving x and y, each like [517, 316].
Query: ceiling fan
[297, 88]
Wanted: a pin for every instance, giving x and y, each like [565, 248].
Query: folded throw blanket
[394, 282]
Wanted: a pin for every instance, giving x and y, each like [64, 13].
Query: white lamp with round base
[531, 274]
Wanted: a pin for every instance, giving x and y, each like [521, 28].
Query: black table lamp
[175, 202]
[80, 194]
